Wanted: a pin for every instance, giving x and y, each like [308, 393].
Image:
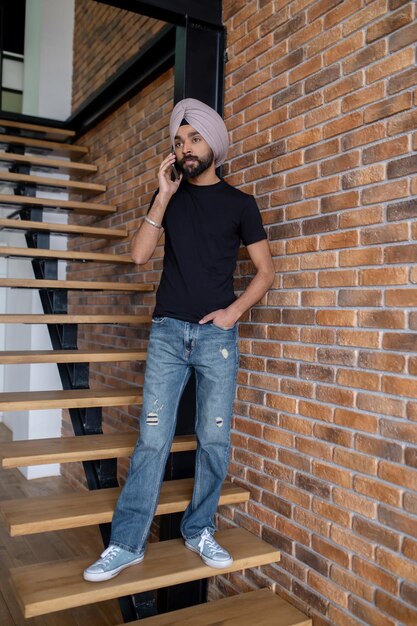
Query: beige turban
[206, 121]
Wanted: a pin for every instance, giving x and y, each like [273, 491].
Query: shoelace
[208, 539]
[109, 554]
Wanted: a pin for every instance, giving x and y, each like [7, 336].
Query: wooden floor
[45, 547]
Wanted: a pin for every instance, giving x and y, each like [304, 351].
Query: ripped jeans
[175, 349]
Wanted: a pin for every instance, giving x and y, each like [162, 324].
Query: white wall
[47, 77]
[47, 93]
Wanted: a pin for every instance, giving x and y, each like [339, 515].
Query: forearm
[147, 236]
[254, 292]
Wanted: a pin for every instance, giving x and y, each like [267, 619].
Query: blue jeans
[175, 349]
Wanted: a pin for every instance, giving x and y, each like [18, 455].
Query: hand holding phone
[174, 172]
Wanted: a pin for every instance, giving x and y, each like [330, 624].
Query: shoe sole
[210, 562]
[97, 578]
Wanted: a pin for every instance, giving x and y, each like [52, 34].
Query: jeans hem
[210, 529]
[127, 548]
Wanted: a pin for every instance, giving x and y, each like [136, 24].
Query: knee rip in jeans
[224, 352]
[152, 419]
[219, 422]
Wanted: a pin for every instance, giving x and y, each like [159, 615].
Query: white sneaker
[111, 562]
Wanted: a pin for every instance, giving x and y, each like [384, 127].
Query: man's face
[193, 153]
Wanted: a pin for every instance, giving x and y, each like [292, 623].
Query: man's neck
[208, 177]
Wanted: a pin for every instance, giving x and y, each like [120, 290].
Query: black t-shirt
[204, 226]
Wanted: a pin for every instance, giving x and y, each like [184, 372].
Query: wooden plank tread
[62, 229]
[55, 586]
[65, 255]
[89, 208]
[261, 608]
[68, 399]
[71, 449]
[39, 283]
[31, 160]
[49, 132]
[66, 149]
[86, 508]
[39, 318]
[57, 183]
[70, 356]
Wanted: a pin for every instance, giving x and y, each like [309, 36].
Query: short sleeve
[251, 227]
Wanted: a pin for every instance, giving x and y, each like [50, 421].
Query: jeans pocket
[158, 320]
[224, 330]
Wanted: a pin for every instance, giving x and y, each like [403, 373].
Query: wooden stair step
[48, 132]
[261, 608]
[86, 508]
[65, 149]
[45, 162]
[87, 208]
[45, 182]
[39, 283]
[55, 586]
[62, 229]
[71, 449]
[68, 399]
[39, 318]
[70, 356]
[64, 255]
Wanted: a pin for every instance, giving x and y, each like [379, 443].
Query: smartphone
[174, 172]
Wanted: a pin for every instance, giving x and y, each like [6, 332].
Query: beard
[197, 167]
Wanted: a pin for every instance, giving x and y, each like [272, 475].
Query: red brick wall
[104, 39]
[320, 103]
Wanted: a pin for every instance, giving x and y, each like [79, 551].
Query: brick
[359, 297]
[404, 37]
[287, 162]
[315, 410]
[311, 66]
[387, 276]
[364, 96]
[367, 256]
[369, 614]
[287, 62]
[332, 512]
[320, 8]
[385, 192]
[398, 565]
[302, 175]
[389, 24]
[287, 29]
[378, 491]
[363, 136]
[312, 485]
[302, 279]
[306, 244]
[267, 121]
[330, 551]
[386, 406]
[343, 397]
[341, 163]
[336, 318]
[322, 78]
[352, 583]
[322, 187]
[363, 17]
[382, 319]
[352, 120]
[363, 217]
[403, 80]
[398, 521]
[359, 380]
[390, 106]
[399, 386]
[297, 388]
[319, 260]
[344, 49]
[319, 225]
[364, 176]
[395, 608]
[394, 63]
[324, 40]
[385, 150]
[360, 339]
[309, 32]
[402, 167]
[382, 361]
[313, 448]
[302, 105]
[340, 618]
[365, 57]
[318, 298]
[318, 335]
[402, 210]
[323, 114]
[408, 593]
[358, 421]
[323, 150]
[338, 278]
[403, 123]
[344, 86]
[307, 138]
[376, 533]
[339, 202]
[346, 538]
[330, 590]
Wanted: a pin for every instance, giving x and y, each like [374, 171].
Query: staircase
[31, 153]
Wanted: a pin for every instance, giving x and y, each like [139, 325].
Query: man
[193, 329]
